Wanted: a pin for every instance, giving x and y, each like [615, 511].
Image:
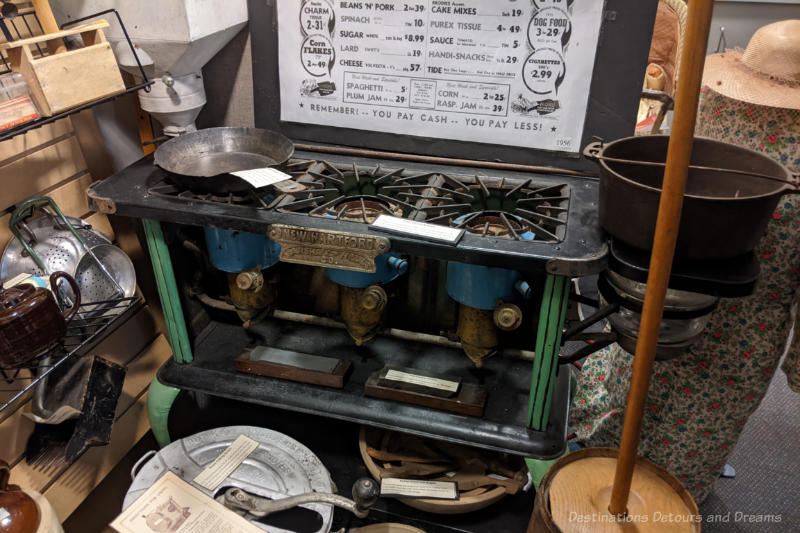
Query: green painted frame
[161, 397]
[548, 343]
[168, 291]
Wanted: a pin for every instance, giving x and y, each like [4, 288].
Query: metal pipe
[595, 317]
[307, 319]
[302, 318]
[403, 334]
[213, 302]
[434, 160]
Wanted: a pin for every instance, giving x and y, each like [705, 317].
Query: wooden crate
[58, 82]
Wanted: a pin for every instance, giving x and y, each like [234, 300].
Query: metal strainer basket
[97, 285]
[54, 242]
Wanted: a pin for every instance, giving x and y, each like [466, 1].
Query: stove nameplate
[328, 248]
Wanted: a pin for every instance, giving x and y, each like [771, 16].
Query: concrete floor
[766, 463]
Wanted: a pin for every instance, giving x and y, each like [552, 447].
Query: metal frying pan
[202, 160]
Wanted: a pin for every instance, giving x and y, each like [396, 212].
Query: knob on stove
[374, 298]
[249, 280]
[507, 317]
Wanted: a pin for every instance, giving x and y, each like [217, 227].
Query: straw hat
[767, 72]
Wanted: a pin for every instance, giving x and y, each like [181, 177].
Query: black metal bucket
[724, 214]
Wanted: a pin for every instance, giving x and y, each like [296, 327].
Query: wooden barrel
[575, 492]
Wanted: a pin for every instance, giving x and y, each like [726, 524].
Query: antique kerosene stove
[413, 269]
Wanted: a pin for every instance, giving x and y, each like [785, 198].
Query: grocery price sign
[511, 72]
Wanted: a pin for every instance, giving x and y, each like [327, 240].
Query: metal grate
[249, 199]
[497, 207]
[355, 194]
[21, 26]
[487, 206]
[89, 326]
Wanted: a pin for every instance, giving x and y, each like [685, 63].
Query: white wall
[742, 19]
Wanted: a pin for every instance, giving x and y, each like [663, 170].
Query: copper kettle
[18, 511]
[31, 320]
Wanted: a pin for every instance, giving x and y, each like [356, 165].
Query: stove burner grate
[500, 207]
[493, 207]
[168, 190]
[343, 193]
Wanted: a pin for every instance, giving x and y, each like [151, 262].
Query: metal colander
[103, 271]
[53, 243]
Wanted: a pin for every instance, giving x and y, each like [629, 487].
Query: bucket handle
[138, 464]
[594, 151]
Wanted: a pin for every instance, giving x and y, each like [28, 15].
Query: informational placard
[171, 505]
[226, 462]
[510, 72]
[419, 488]
[425, 230]
[261, 177]
[424, 381]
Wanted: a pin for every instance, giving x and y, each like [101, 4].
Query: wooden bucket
[575, 492]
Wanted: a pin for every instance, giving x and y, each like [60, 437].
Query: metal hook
[722, 44]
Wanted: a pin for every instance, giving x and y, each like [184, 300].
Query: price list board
[509, 72]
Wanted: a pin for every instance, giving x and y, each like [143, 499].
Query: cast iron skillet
[202, 160]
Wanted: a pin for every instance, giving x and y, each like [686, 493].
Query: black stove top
[512, 208]
[530, 222]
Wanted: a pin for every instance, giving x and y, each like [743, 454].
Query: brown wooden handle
[76, 291]
[666, 234]
[45, 15]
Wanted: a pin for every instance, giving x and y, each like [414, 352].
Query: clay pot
[31, 321]
[18, 511]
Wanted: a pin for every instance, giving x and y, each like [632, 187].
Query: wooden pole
[45, 15]
[666, 234]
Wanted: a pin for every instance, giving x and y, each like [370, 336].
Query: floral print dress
[698, 403]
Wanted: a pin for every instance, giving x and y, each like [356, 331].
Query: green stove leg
[539, 467]
[548, 344]
[160, 398]
[168, 291]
